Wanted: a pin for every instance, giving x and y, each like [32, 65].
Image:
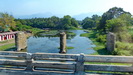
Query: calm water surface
[51, 44]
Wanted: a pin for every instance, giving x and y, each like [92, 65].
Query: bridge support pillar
[62, 42]
[20, 41]
[110, 41]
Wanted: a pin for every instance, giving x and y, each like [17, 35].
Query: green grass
[68, 47]
[35, 30]
[7, 47]
[100, 47]
[3, 41]
[71, 33]
[85, 34]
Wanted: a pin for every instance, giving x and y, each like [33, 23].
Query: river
[51, 44]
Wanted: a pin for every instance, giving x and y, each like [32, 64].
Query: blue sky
[63, 7]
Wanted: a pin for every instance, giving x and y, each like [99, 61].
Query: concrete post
[110, 41]
[20, 41]
[62, 42]
[29, 61]
[79, 70]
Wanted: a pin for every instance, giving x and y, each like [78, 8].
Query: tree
[120, 26]
[7, 21]
[91, 22]
[74, 22]
[110, 14]
[88, 24]
[67, 22]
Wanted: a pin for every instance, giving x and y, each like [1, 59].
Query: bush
[124, 37]
[101, 38]
[123, 48]
[118, 51]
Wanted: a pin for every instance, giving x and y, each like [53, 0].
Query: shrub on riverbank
[123, 48]
[99, 41]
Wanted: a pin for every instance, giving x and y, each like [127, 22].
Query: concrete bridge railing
[75, 63]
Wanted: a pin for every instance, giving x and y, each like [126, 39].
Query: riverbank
[101, 50]
[7, 45]
[100, 47]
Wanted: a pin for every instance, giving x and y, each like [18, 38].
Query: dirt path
[7, 42]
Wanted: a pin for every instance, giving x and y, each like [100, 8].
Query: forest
[65, 23]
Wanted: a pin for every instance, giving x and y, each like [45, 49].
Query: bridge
[23, 63]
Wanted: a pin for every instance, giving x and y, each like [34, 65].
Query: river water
[51, 44]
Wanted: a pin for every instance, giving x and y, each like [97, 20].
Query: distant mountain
[84, 15]
[39, 15]
[48, 14]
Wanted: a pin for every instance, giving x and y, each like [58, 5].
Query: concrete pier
[62, 42]
[20, 41]
[110, 41]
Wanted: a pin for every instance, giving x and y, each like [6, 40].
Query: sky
[62, 7]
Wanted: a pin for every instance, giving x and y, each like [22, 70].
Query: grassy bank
[100, 47]
[101, 50]
[7, 47]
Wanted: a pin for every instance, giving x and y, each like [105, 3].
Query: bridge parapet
[72, 63]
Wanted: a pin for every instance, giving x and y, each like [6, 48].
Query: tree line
[67, 22]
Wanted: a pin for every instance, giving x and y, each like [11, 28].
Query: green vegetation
[123, 48]
[49, 32]
[7, 47]
[68, 47]
[100, 46]
[70, 33]
[115, 20]
[20, 27]
[90, 23]
[7, 22]
[65, 23]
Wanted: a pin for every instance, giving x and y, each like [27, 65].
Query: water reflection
[50, 43]
[48, 34]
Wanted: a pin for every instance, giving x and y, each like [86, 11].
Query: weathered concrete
[76, 67]
[62, 42]
[80, 65]
[29, 62]
[110, 41]
[108, 59]
[20, 41]
[111, 68]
